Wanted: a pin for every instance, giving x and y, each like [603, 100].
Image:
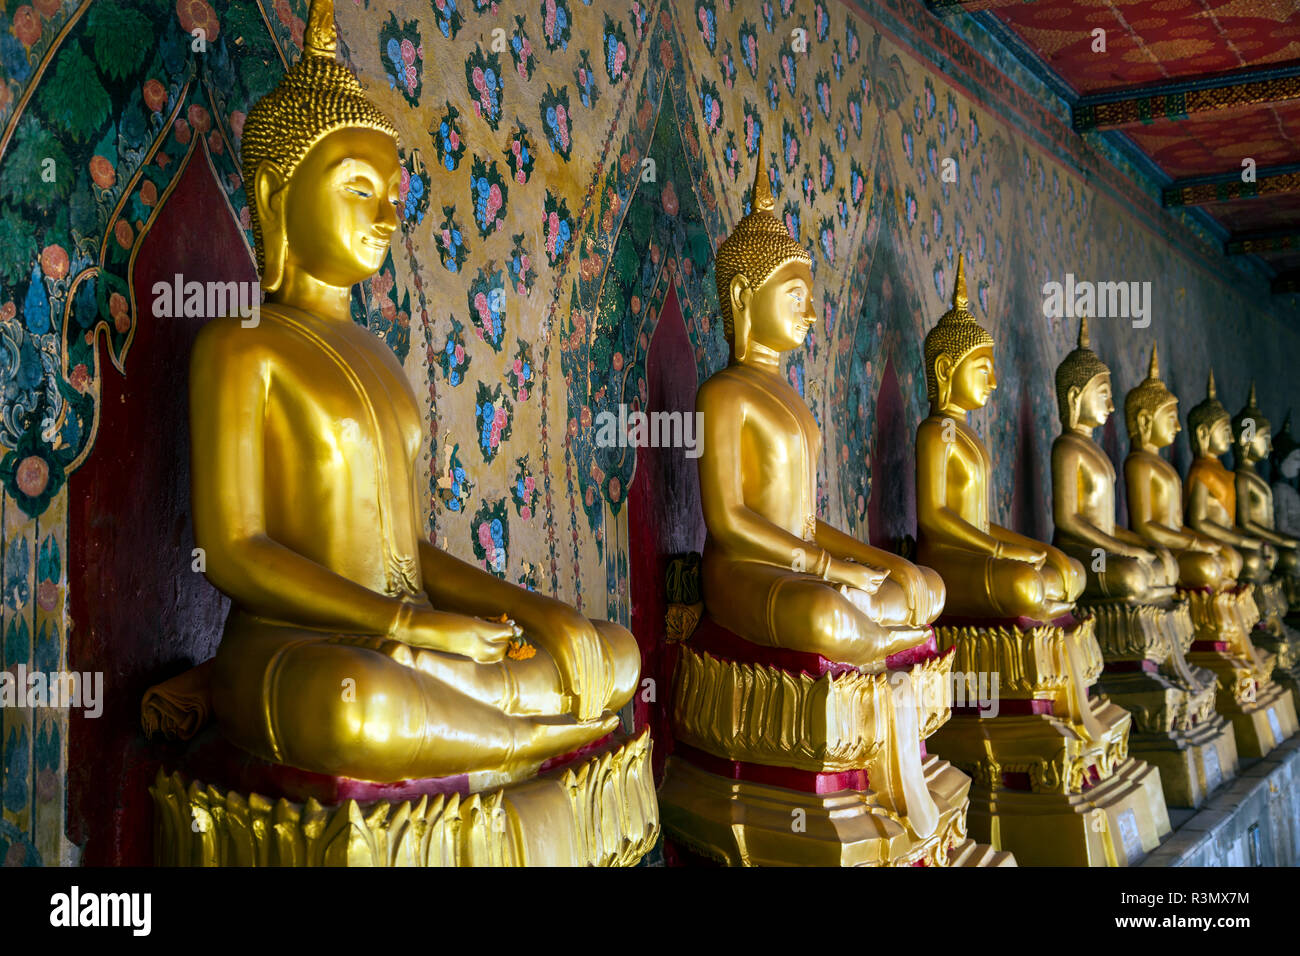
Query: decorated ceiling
[1205, 92]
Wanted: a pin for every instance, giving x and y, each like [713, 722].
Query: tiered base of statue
[596, 808]
[1262, 711]
[1054, 782]
[776, 752]
[1272, 634]
[1175, 726]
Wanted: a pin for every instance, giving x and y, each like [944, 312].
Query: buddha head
[1208, 425]
[1251, 438]
[764, 278]
[1151, 410]
[959, 355]
[1083, 393]
[1286, 451]
[320, 169]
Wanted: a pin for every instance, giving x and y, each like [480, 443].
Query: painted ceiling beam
[1254, 243]
[1117, 109]
[1286, 283]
[1203, 190]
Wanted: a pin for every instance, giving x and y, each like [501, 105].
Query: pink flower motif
[562, 117]
[529, 485]
[485, 536]
[523, 394]
[478, 79]
[419, 51]
[620, 57]
[520, 177]
[518, 367]
[499, 421]
[454, 139]
[446, 237]
[408, 51]
[460, 354]
[525, 512]
[480, 303]
[410, 78]
[405, 187]
[523, 263]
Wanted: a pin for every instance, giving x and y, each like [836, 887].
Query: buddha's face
[973, 380]
[1095, 403]
[340, 211]
[780, 311]
[1216, 438]
[1260, 443]
[1164, 424]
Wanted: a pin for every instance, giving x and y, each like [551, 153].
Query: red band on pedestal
[806, 781]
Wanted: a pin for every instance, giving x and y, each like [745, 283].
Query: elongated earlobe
[741, 325]
[270, 214]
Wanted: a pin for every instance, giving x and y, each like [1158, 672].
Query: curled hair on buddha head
[1077, 369]
[1208, 413]
[955, 335]
[315, 97]
[758, 246]
[1149, 397]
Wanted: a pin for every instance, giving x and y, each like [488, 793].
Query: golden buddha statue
[1083, 491]
[1155, 492]
[1210, 494]
[1010, 603]
[802, 619]
[353, 647]
[1223, 611]
[990, 571]
[1252, 442]
[1143, 629]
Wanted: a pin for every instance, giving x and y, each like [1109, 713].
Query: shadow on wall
[140, 614]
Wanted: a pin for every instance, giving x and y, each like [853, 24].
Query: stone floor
[1252, 820]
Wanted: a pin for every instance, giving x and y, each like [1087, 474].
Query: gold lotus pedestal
[597, 810]
[1261, 710]
[775, 766]
[1053, 779]
[1272, 634]
[1175, 726]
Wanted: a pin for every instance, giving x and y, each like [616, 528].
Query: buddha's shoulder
[231, 336]
[726, 385]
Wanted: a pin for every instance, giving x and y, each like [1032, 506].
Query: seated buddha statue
[1210, 493]
[1251, 443]
[353, 646]
[1083, 491]
[772, 572]
[990, 571]
[1155, 492]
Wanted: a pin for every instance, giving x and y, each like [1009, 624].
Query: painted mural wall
[566, 164]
